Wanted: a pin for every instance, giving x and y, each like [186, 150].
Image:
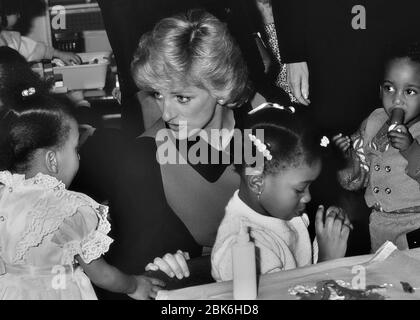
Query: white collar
[16, 180]
[236, 205]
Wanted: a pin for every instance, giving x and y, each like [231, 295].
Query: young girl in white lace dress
[51, 239]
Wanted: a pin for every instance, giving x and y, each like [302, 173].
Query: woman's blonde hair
[192, 49]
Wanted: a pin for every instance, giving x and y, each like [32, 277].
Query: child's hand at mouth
[400, 138]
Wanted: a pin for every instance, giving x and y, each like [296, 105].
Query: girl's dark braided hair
[289, 137]
[30, 117]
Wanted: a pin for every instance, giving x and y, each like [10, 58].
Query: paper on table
[383, 252]
[388, 266]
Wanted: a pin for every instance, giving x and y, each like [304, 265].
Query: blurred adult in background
[19, 15]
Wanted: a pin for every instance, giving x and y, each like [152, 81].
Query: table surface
[400, 266]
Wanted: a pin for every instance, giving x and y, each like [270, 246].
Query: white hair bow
[325, 142]
[261, 147]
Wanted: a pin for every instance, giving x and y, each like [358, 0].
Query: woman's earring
[221, 101]
[259, 195]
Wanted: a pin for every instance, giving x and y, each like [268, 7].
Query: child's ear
[51, 161]
[381, 91]
[256, 183]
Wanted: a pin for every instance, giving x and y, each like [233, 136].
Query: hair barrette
[325, 142]
[272, 105]
[28, 92]
[261, 147]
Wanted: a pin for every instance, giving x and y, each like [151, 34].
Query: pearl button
[10, 189]
[376, 190]
[377, 167]
[388, 169]
[387, 190]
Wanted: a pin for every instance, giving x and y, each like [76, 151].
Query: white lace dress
[43, 227]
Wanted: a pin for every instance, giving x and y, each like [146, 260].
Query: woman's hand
[298, 79]
[332, 235]
[400, 138]
[146, 288]
[342, 142]
[172, 264]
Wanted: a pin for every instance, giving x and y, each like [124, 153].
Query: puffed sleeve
[84, 234]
